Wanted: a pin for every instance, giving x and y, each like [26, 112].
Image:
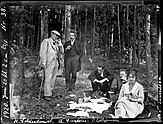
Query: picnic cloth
[94, 105]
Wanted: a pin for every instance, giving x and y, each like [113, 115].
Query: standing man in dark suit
[73, 53]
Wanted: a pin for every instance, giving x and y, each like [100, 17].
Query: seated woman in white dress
[130, 99]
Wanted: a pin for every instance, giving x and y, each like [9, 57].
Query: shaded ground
[33, 108]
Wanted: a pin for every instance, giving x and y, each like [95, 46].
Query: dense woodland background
[119, 35]
[127, 34]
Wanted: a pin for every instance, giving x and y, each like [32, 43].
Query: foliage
[21, 21]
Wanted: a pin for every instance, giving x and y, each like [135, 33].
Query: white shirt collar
[72, 42]
[102, 73]
[52, 40]
[124, 78]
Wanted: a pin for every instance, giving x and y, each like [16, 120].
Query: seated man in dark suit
[100, 79]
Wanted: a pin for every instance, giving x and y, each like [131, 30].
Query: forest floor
[35, 108]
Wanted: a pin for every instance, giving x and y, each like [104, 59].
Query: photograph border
[5, 104]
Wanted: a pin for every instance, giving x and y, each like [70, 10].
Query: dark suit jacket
[95, 75]
[117, 84]
[79, 50]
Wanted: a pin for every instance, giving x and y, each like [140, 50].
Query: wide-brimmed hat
[56, 32]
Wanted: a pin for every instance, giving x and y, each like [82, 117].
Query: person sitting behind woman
[118, 81]
[131, 98]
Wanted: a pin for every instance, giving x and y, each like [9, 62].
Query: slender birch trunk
[148, 47]
[85, 42]
[119, 35]
[93, 37]
[139, 38]
[133, 47]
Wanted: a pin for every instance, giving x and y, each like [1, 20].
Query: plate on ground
[71, 102]
[111, 92]
[72, 95]
[104, 98]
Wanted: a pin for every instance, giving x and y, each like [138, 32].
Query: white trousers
[50, 77]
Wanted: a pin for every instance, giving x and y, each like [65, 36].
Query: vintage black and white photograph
[81, 61]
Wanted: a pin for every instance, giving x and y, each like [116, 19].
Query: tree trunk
[85, 42]
[42, 24]
[109, 35]
[112, 35]
[107, 42]
[34, 17]
[119, 33]
[93, 32]
[123, 37]
[31, 32]
[156, 40]
[112, 28]
[128, 41]
[63, 26]
[112, 32]
[139, 38]
[67, 21]
[28, 39]
[79, 28]
[78, 24]
[46, 23]
[19, 85]
[38, 32]
[148, 48]
[133, 47]
[107, 48]
[159, 44]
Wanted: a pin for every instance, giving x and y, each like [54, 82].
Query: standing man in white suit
[50, 51]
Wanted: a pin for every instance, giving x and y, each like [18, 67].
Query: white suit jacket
[48, 51]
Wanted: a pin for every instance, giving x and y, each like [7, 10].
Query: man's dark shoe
[47, 98]
[73, 87]
[52, 96]
[67, 89]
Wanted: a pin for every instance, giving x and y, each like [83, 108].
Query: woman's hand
[130, 99]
